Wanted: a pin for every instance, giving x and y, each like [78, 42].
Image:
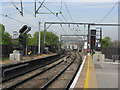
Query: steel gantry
[88, 24]
[70, 36]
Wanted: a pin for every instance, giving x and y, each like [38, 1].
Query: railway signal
[22, 40]
[22, 30]
[93, 38]
[22, 37]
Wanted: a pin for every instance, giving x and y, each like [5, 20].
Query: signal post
[22, 38]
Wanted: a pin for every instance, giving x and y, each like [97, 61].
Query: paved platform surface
[107, 74]
[99, 75]
[91, 79]
[92, 76]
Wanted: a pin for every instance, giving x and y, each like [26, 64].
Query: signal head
[22, 30]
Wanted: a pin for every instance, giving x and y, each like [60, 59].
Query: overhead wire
[69, 13]
[41, 19]
[16, 7]
[58, 18]
[26, 10]
[31, 15]
[25, 22]
[63, 29]
[40, 5]
[51, 12]
[13, 13]
[20, 12]
[61, 11]
[108, 13]
[78, 28]
[64, 16]
[68, 10]
[61, 6]
[54, 14]
[66, 22]
[17, 20]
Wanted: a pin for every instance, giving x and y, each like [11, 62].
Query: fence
[5, 50]
[110, 52]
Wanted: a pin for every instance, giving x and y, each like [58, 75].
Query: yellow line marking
[92, 76]
[87, 74]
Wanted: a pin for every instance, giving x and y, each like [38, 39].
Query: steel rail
[56, 76]
[23, 81]
[74, 75]
[6, 80]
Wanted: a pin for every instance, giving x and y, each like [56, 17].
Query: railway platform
[97, 75]
[90, 74]
[27, 58]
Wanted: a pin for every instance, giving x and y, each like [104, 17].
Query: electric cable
[54, 15]
[108, 13]
[68, 11]
[16, 20]
[16, 7]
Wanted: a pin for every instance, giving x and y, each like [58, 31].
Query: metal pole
[60, 42]
[101, 37]
[88, 37]
[21, 8]
[84, 33]
[39, 39]
[88, 34]
[35, 8]
[44, 35]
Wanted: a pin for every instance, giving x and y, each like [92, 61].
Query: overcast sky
[91, 12]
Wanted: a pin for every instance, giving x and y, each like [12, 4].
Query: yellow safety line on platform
[87, 74]
[92, 76]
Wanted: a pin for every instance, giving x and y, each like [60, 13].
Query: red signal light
[93, 42]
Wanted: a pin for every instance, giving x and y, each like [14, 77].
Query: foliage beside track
[5, 38]
[51, 38]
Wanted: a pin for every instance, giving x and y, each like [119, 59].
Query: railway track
[43, 77]
[14, 70]
[64, 78]
[14, 81]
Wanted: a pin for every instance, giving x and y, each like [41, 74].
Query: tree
[29, 39]
[106, 42]
[6, 38]
[51, 39]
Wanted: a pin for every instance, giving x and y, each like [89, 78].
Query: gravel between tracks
[43, 78]
[13, 81]
[40, 80]
[64, 79]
